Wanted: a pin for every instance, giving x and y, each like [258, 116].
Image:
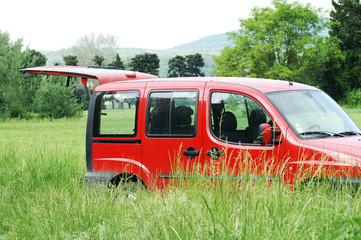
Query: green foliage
[146, 63]
[118, 63]
[345, 71]
[353, 99]
[194, 65]
[21, 93]
[71, 60]
[282, 42]
[177, 67]
[98, 60]
[190, 65]
[346, 23]
[16, 88]
[36, 59]
[54, 100]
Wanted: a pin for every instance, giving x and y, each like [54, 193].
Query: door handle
[191, 152]
[214, 153]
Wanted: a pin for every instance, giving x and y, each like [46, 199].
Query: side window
[236, 118]
[172, 113]
[116, 113]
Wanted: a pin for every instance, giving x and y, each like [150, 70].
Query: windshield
[313, 114]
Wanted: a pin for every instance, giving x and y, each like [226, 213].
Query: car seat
[256, 118]
[182, 120]
[228, 129]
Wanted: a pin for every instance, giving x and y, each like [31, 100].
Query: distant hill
[207, 46]
[217, 41]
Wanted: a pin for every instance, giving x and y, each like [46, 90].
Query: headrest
[257, 117]
[182, 116]
[229, 122]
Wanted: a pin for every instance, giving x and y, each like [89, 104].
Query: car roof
[104, 75]
[261, 85]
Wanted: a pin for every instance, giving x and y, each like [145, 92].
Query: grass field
[42, 196]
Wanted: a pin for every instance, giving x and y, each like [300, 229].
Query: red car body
[197, 144]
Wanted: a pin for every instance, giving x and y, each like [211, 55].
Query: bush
[54, 100]
[353, 99]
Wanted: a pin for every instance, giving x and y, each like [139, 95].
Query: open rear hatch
[103, 75]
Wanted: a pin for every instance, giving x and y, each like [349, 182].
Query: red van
[142, 128]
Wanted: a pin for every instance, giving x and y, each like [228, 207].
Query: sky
[151, 24]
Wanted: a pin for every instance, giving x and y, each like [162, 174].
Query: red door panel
[172, 142]
[232, 119]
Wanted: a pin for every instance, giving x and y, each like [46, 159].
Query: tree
[30, 83]
[98, 60]
[345, 71]
[16, 88]
[194, 64]
[177, 66]
[282, 42]
[146, 62]
[187, 66]
[71, 60]
[94, 44]
[36, 58]
[118, 63]
[32, 58]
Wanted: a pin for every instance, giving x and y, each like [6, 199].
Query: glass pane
[312, 112]
[159, 113]
[183, 113]
[118, 113]
[172, 113]
[236, 118]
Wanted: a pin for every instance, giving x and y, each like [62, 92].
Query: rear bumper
[101, 178]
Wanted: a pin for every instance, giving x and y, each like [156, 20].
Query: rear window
[116, 113]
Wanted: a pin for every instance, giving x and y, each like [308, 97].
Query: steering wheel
[313, 126]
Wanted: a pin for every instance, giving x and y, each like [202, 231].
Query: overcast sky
[152, 24]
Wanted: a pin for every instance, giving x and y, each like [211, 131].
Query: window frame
[170, 135]
[97, 116]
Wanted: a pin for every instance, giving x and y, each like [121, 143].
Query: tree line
[178, 66]
[23, 95]
[287, 41]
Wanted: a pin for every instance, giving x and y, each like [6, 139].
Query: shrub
[54, 100]
[353, 99]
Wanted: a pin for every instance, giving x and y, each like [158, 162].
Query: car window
[313, 114]
[235, 118]
[172, 113]
[116, 113]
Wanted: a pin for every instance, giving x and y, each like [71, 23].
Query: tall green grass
[43, 196]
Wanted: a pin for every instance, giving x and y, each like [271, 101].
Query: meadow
[43, 196]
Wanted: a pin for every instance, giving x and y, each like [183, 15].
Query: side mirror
[264, 134]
